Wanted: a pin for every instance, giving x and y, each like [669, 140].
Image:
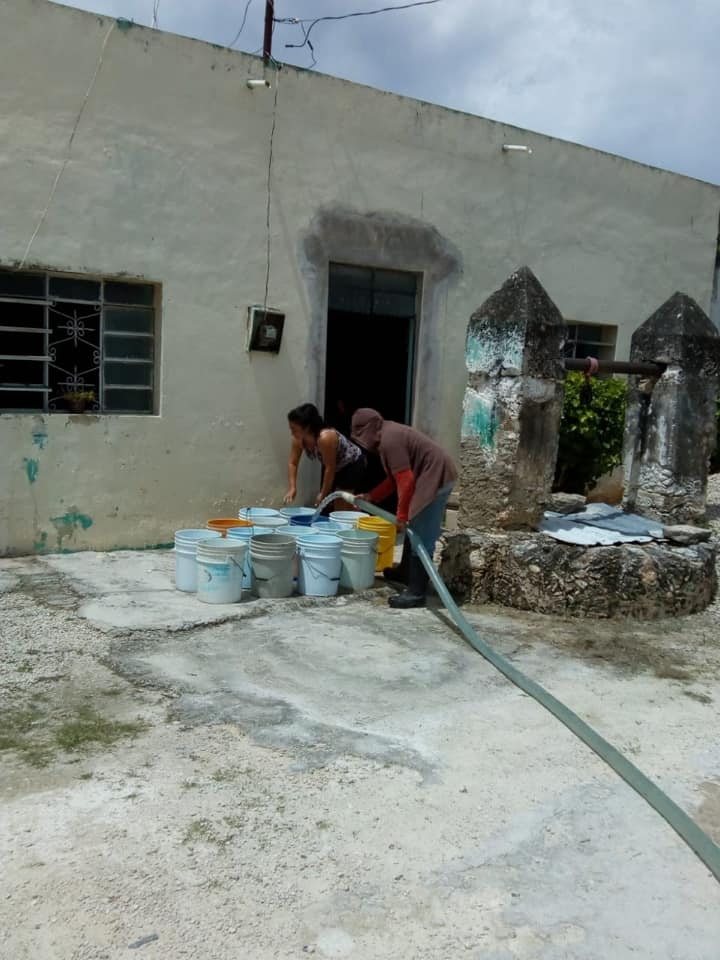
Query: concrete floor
[338, 779]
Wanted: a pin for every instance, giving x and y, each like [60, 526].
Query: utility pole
[267, 42]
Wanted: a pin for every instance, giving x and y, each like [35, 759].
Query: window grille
[62, 334]
[591, 340]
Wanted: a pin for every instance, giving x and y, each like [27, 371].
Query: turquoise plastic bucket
[319, 565]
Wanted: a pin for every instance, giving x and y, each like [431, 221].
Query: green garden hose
[686, 828]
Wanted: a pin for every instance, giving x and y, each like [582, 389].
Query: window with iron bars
[64, 337]
[591, 340]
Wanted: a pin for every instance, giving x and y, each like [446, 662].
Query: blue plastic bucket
[302, 519]
[247, 533]
[319, 565]
[305, 520]
[290, 512]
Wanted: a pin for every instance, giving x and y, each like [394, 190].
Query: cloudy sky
[640, 78]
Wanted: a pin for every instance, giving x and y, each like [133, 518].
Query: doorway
[371, 335]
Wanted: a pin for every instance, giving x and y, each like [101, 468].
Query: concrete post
[670, 427]
[512, 406]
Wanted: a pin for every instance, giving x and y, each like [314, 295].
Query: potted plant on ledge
[77, 400]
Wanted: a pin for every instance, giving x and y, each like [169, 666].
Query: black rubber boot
[399, 573]
[416, 593]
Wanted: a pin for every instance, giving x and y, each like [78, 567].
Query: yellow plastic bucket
[223, 524]
[386, 539]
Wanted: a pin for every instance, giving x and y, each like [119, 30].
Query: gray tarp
[600, 524]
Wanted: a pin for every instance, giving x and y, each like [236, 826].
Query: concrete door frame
[390, 242]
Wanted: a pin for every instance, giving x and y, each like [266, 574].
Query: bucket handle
[228, 560]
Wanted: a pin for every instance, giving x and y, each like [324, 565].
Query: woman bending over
[343, 462]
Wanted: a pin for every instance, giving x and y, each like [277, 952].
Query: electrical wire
[269, 193]
[68, 149]
[344, 16]
[156, 7]
[242, 25]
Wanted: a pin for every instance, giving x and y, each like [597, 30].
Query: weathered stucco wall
[167, 181]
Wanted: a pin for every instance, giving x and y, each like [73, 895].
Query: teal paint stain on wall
[73, 519]
[475, 353]
[41, 543]
[39, 438]
[486, 353]
[69, 523]
[32, 468]
[479, 421]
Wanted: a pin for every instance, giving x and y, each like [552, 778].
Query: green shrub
[591, 433]
[715, 458]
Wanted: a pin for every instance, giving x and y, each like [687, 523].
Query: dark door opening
[370, 343]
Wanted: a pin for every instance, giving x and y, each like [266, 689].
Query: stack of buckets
[261, 517]
[271, 559]
[209, 565]
[246, 534]
[347, 519]
[270, 551]
[359, 559]
[186, 542]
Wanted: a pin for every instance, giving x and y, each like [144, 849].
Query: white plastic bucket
[271, 557]
[319, 565]
[347, 519]
[246, 534]
[186, 542]
[277, 524]
[220, 570]
[296, 533]
[326, 526]
[258, 515]
[359, 559]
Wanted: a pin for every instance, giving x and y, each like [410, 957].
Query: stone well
[532, 571]
[509, 440]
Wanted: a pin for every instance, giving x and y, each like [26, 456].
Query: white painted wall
[167, 181]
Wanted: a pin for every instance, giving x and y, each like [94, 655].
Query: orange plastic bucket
[386, 539]
[223, 524]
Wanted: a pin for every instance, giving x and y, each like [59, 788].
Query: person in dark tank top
[342, 461]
